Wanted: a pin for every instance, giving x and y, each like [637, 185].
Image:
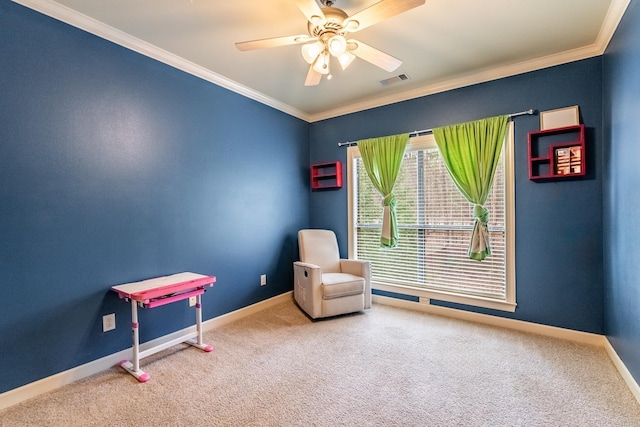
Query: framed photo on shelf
[559, 118]
[575, 159]
[562, 162]
[568, 160]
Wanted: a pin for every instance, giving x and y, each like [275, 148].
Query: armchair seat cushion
[338, 285]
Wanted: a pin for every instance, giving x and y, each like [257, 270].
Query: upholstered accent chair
[325, 285]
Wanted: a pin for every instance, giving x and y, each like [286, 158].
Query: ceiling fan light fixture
[322, 63]
[310, 51]
[346, 59]
[337, 45]
[327, 28]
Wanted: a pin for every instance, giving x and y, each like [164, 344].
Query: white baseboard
[36, 388]
[28, 391]
[216, 322]
[519, 325]
[622, 369]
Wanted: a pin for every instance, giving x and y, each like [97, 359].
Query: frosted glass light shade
[346, 59]
[310, 51]
[337, 45]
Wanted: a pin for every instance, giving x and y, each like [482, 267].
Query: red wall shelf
[326, 176]
[557, 154]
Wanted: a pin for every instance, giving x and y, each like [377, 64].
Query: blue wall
[558, 225]
[117, 168]
[622, 180]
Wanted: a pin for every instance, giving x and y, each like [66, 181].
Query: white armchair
[325, 285]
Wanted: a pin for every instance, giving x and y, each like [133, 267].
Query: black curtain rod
[428, 131]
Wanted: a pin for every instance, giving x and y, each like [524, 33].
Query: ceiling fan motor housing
[333, 25]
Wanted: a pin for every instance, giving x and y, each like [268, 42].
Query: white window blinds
[435, 224]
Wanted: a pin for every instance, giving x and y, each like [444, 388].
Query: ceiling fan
[328, 30]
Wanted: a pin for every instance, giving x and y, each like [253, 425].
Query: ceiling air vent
[392, 80]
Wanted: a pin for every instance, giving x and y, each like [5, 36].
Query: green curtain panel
[471, 152]
[382, 158]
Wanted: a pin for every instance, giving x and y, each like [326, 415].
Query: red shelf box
[326, 175]
[557, 154]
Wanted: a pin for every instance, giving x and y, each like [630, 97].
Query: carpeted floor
[384, 367]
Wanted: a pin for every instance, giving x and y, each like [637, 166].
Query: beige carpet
[386, 367]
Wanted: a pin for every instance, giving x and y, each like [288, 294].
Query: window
[435, 224]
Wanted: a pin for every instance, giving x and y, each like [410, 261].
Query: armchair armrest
[360, 268]
[307, 287]
[356, 267]
[306, 265]
[311, 274]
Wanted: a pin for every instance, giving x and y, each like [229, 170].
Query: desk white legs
[198, 341]
[134, 368]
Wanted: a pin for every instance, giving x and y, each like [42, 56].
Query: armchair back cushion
[320, 247]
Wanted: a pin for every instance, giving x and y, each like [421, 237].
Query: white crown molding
[463, 81]
[610, 24]
[76, 19]
[100, 29]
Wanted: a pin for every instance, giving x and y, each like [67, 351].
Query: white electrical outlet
[192, 301]
[263, 279]
[108, 322]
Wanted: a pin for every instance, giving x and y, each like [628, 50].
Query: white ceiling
[443, 44]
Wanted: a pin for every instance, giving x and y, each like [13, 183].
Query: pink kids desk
[154, 293]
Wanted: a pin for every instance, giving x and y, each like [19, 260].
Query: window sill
[475, 301]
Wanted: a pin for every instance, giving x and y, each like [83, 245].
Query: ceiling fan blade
[274, 42]
[380, 11]
[313, 77]
[312, 11]
[374, 56]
